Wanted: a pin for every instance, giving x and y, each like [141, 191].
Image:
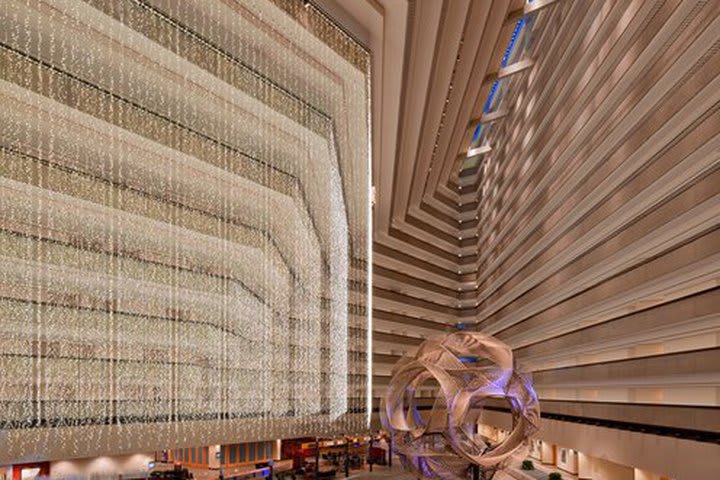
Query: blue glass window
[251, 453]
[513, 39]
[489, 102]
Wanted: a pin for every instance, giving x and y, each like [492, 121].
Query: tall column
[547, 453]
[347, 457]
[584, 467]
[317, 457]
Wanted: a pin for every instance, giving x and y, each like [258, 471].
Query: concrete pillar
[547, 453]
[214, 460]
[645, 475]
[584, 467]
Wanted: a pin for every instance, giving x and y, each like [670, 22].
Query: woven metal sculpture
[469, 368]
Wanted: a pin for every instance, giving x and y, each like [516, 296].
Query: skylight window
[518, 45]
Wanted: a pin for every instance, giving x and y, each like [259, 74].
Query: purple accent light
[468, 359]
[438, 446]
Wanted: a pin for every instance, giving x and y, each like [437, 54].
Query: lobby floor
[397, 473]
[513, 473]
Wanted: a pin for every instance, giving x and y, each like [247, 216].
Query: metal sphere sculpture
[469, 368]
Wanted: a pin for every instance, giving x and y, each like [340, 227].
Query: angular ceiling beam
[538, 5]
[488, 118]
[514, 16]
[481, 150]
[516, 67]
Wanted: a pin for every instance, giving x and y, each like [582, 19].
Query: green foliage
[528, 465]
[555, 476]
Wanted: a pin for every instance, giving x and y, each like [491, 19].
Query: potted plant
[555, 476]
[527, 465]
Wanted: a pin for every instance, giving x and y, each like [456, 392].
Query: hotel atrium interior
[392, 239]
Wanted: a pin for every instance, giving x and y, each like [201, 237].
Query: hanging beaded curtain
[183, 224]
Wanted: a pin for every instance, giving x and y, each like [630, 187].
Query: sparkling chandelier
[183, 224]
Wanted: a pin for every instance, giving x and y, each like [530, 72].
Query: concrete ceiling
[434, 64]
